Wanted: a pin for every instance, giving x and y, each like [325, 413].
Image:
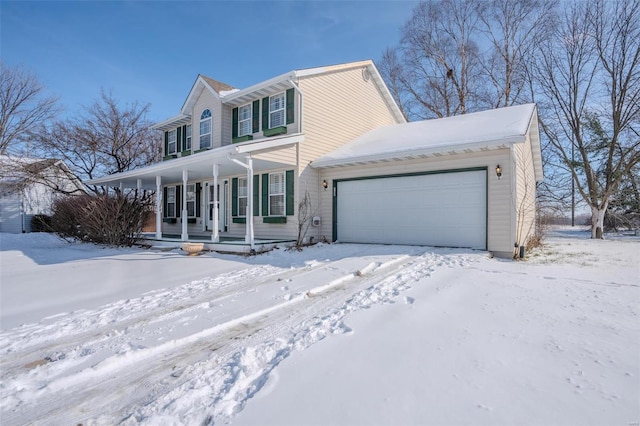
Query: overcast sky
[152, 51]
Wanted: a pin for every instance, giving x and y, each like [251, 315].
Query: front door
[223, 193]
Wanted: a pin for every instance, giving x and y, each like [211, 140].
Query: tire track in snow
[225, 364]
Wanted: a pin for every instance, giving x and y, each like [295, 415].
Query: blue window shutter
[255, 119]
[234, 123]
[265, 113]
[290, 103]
[288, 180]
[234, 197]
[179, 139]
[265, 194]
[256, 195]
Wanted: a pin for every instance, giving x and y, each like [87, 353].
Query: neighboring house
[237, 163]
[28, 187]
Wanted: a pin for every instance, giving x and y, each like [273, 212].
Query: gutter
[417, 152]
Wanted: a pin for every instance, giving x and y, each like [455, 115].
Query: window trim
[174, 202]
[283, 110]
[248, 120]
[240, 180]
[204, 117]
[283, 194]
[171, 133]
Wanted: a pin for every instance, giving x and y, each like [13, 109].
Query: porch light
[499, 171]
[325, 185]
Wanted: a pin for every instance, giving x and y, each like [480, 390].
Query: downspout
[514, 197]
[300, 130]
[159, 202]
[184, 215]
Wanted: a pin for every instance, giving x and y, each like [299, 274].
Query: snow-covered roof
[16, 169]
[479, 130]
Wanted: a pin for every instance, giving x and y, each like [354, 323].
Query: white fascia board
[322, 70]
[249, 147]
[272, 81]
[222, 154]
[534, 139]
[172, 122]
[188, 103]
[393, 105]
[417, 152]
[183, 162]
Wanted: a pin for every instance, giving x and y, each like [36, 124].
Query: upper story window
[244, 120]
[276, 110]
[172, 142]
[187, 139]
[205, 129]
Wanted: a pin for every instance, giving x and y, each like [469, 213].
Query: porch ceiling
[200, 166]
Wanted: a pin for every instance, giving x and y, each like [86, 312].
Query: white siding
[525, 193]
[338, 107]
[207, 100]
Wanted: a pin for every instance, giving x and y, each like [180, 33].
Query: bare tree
[457, 56]
[435, 70]
[513, 28]
[23, 106]
[305, 216]
[589, 72]
[105, 139]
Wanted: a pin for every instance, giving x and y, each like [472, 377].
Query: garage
[447, 209]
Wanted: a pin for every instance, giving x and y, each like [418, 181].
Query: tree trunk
[597, 221]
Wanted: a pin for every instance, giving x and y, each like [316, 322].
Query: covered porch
[215, 167]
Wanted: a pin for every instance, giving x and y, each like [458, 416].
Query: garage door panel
[447, 209]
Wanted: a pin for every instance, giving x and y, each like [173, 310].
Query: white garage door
[10, 214]
[444, 209]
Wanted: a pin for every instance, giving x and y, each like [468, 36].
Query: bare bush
[112, 219]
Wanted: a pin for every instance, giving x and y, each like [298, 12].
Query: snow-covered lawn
[336, 334]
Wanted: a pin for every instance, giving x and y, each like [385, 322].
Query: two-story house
[237, 163]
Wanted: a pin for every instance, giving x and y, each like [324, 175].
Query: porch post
[139, 184]
[185, 219]
[215, 237]
[159, 207]
[249, 216]
[248, 238]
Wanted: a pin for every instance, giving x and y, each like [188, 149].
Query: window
[244, 120]
[242, 196]
[191, 200]
[276, 194]
[187, 143]
[205, 129]
[276, 110]
[171, 201]
[171, 142]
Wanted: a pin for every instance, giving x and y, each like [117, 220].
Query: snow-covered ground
[336, 334]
